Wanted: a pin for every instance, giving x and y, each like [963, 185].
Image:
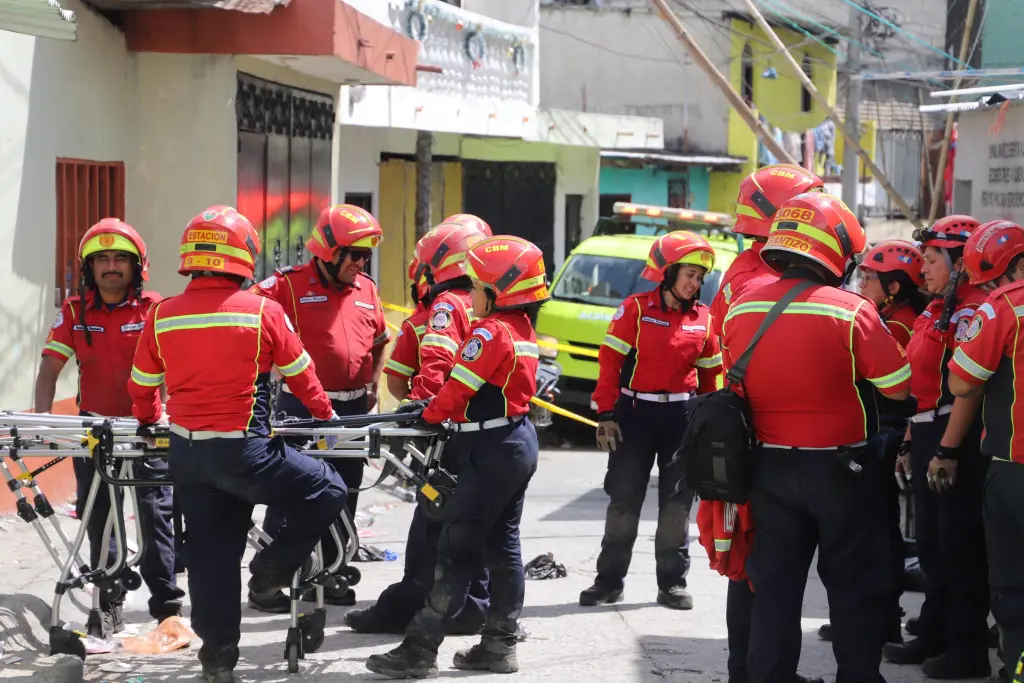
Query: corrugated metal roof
[42, 18]
[893, 115]
[248, 6]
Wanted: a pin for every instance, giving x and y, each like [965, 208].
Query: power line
[605, 48]
[891, 25]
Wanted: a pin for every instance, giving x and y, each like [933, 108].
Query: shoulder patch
[619, 312]
[727, 292]
[474, 347]
[974, 329]
[484, 332]
[285, 269]
[269, 282]
[441, 320]
[59, 320]
[443, 306]
[962, 328]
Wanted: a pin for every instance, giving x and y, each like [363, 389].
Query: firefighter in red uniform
[890, 277]
[101, 327]
[988, 361]
[658, 352]
[816, 486]
[214, 346]
[760, 196]
[338, 315]
[952, 631]
[441, 264]
[488, 398]
[405, 356]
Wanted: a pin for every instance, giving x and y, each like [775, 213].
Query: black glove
[413, 406]
[948, 452]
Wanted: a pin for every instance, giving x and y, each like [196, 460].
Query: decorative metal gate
[284, 164]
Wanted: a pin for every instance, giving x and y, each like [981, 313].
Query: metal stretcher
[116, 445]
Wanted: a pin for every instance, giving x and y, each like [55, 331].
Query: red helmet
[896, 255]
[765, 190]
[818, 227]
[220, 240]
[113, 234]
[990, 249]
[470, 219]
[950, 232]
[512, 268]
[443, 250]
[417, 277]
[678, 247]
[341, 226]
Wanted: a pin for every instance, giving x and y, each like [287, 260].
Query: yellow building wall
[868, 141]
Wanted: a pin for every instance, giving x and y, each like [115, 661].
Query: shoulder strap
[736, 372]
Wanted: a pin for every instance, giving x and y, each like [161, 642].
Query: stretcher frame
[115, 444]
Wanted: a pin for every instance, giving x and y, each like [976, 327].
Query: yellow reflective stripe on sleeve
[147, 379]
[296, 366]
[467, 377]
[528, 349]
[712, 362]
[616, 344]
[797, 308]
[440, 341]
[62, 349]
[201, 320]
[969, 366]
[722, 545]
[892, 379]
[393, 364]
[419, 330]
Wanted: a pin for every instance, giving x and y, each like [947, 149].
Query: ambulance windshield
[600, 280]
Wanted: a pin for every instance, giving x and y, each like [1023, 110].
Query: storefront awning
[670, 159]
[42, 18]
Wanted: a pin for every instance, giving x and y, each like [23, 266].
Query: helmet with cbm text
[990, 249]
[511, 268]
[343, 226]
[678, 247]
[950, 232]
[442, 251]
[220, 240]
[891, 256]
[469, 219]
[113, 234]
[765, 190]
[815, 227]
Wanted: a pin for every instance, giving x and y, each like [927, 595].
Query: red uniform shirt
[806, 379]
[990, 352]
[930, 350]
[338, 326]
[901, 322]
[727, 534]
[747, 272]
[652, 350]
[495, 375]
[405, 356]
[214, 346]
[448, 324]
[105, 366]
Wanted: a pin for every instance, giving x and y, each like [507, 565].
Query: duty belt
[657, 398]
[203, 435]
[932, 415]
[486, 424]
[344, 395]
[859, 444]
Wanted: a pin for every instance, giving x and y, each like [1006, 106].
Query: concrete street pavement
[635, 641]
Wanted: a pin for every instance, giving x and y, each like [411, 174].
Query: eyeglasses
[359, 254]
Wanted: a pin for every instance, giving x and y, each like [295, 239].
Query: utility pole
[851, 162]
[424, 161]
[842, 127]
[723, 84]
[940, 172]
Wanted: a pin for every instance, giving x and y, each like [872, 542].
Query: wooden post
[852, 140]
[723, 84]
[940, 172]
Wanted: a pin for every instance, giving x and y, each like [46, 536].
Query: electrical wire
[914, 37]
[605, 48]
[781, 7]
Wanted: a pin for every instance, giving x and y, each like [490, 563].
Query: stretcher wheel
[311, 627]
[292, 651]
[353, 575]
[131, 580]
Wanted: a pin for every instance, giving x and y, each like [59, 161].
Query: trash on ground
[98, 646]
[371, 553]
[116, 667]
[10, 659]
[172, 634]
[545, 567]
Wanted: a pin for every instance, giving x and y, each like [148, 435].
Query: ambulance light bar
[682, 215]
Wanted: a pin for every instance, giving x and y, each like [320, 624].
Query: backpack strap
[736, 372]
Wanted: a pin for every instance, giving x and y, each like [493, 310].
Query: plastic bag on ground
[545, 567]
[172, 634]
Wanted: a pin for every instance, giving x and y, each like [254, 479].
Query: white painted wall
[518, 12]
[993, 164]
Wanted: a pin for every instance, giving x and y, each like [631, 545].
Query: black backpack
[717, 453]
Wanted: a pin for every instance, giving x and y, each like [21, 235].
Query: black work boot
[911, 652]
[952, 667]
[825, 632]
[218, 663]
[804, 679]
[675, 597]
[346, 598]
[488, 655]
[113, 619]
[599, 594]
[271, 602]
[405, 661]
[370, 620]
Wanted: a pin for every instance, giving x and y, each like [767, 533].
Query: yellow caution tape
[562, 411]
[577, 350]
